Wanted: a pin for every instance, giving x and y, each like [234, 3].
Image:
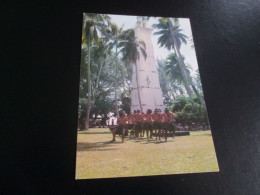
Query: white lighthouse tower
[149, 86]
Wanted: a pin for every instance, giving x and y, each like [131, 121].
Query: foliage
[130, 47]
[170, 89]
[165, 39]
[198, 81]
[173, 70]
[103, 106]
[83, 104]
[186, 114]
[126, 103]
[171, 79]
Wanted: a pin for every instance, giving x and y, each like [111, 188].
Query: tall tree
[131, 50]
[115, 35]
[173, 70]
[168, 40]
[178, 38]
[170, 79]
[101, 52]
[172, 38]
[92, 26]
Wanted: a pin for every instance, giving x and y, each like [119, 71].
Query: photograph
[141, 109]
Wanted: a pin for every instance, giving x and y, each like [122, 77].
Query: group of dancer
[157, 123]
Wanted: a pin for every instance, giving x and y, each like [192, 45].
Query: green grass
[97, 157]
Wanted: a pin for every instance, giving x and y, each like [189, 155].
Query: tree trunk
[173, 96]
[186, 85]
[138, 92]
[181, 91]
[89, 87]
[202, 102]
[97, 81]
[190, 81]
[117, 114]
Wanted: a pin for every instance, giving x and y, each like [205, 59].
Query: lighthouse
[150, 92]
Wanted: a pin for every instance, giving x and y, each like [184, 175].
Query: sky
[162, 53]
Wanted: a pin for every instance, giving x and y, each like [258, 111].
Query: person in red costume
[121, 128]
[157, 119]
[132, 119]
[130, 124]
[138, 123]
[122, 122]
[168, 125]
[161, 124]
[143, 116]
[147, 122]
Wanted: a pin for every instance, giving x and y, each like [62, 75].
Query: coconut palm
[131, 50]
[101, 52]
[171, 37]
[93, 26]
[168, 40]
[170, 78]
[115, 35]
[173, 70]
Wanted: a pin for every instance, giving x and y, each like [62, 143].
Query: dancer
[156, 117]
[147, 122]
[168, 126]
[138, 123]
[122, 122]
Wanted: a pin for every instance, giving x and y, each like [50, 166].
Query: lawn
[98, 157]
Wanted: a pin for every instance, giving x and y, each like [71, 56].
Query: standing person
[164, 127]
[169, 119]
[122, 122]
[156, 117]
[142, 123]
[130, 124]
[160, 124]
[147, 125]
[154, 122]
[113, 126]
[138, 125]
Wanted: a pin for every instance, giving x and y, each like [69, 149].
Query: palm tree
[173, 68]
[169, 41]
[178, 38]
[172, 38]
[92, 26]
[170, 77]
[131, 49]
[101, 52]
[115, 35]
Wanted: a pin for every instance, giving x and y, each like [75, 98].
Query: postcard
[141, 109]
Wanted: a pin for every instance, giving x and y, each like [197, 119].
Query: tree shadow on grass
[161, 142]
[98, 146]
[137, 140]
[151, 141]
